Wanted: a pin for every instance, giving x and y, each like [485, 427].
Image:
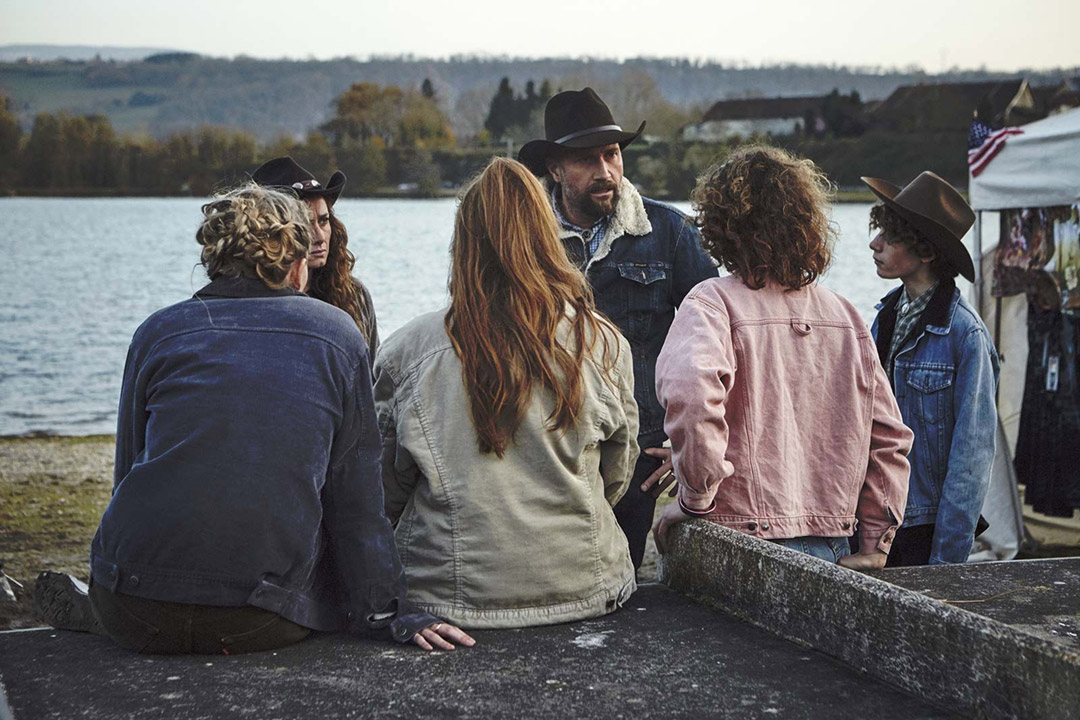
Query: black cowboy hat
[284, 172]
[934, 208]
[574, 119]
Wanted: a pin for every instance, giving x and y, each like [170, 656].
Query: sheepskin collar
[629, 218]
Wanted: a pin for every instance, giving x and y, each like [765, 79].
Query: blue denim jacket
[650, 258]
[247, 465]
[945, 377]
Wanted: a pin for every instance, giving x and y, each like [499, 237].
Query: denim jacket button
[133, 581]
[846, 526]
[764, 526]
[751, 526]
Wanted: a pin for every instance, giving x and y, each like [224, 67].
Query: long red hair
[511, 285]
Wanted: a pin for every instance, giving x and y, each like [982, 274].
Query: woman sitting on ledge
[509, 426]
[783, 424]
[247, 509]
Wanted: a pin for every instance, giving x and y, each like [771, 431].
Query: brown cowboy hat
[286, 173]
[934, 208]
[574, 119]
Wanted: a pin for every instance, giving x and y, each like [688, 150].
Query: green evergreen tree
[427, 89]
[501, 114]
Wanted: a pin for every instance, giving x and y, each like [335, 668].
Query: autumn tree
[10, 135]
[398, 118]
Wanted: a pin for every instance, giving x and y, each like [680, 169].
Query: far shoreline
[842, 196]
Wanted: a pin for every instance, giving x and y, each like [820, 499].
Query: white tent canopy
[1040, 168]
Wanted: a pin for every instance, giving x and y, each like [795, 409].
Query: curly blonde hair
[256, 232]
[762, 215]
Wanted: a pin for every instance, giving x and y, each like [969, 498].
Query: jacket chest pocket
[931, 393]
[643, 286]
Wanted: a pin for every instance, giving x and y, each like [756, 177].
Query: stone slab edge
[948, 656]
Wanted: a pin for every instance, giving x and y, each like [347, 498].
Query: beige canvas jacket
[528, 539]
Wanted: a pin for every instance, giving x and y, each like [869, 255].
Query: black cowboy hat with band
[284, 172]
[934, 208]
[574, 119]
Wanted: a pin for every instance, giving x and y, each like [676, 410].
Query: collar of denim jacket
[243, 287]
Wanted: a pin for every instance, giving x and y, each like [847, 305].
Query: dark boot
[62, 602]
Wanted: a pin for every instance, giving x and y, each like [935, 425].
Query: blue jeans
[823, 548]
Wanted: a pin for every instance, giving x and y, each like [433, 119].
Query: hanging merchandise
[1066, 263]
[1026, 244]
[1047, 454]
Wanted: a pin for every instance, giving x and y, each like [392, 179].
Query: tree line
[390, 140]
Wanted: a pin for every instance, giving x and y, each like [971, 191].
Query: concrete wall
[952, 657]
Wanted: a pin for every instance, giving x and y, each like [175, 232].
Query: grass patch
[52, 494]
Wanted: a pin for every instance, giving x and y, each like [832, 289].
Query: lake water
[80, 275]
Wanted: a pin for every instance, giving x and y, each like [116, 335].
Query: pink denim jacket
[778, 408]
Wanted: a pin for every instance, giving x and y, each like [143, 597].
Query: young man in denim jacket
[942, 364]
[641, 258]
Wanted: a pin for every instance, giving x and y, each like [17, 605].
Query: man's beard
[585, 205]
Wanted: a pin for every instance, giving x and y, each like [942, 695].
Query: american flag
[984, 143]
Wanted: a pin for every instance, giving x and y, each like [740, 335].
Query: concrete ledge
[662, 655]
[954, 658]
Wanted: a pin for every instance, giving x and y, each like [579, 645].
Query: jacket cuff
[871, 541]
[693, 503]
[403, 627]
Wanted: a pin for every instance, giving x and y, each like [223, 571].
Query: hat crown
[573, 111]
[932, 197]
[282, 172]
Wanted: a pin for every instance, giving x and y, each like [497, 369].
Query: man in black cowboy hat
[942, 363]
[640, 256]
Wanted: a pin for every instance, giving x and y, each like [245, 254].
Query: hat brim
[534, 155]
[950, 246]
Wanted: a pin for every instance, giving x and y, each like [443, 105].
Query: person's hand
[864, 561]
[442, 636]
[663, 477]
[670, 516]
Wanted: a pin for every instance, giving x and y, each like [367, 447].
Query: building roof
[762, 108]
[947, 106]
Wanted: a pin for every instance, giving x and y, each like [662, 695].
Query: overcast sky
[933, 34]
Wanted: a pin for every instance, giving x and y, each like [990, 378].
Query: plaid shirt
[592, 236]
[908, 312]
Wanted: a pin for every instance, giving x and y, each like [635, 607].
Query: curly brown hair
[334, 282]
[762, 215]
[899, 230]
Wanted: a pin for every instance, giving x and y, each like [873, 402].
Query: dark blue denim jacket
[649, 260]
[945, 379]
[247, 465]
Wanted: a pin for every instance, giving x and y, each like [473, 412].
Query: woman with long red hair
[509, 425]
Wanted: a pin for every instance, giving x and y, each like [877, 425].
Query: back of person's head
[763, 216]
[255, 232]
[511, 284]
[898, 231]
